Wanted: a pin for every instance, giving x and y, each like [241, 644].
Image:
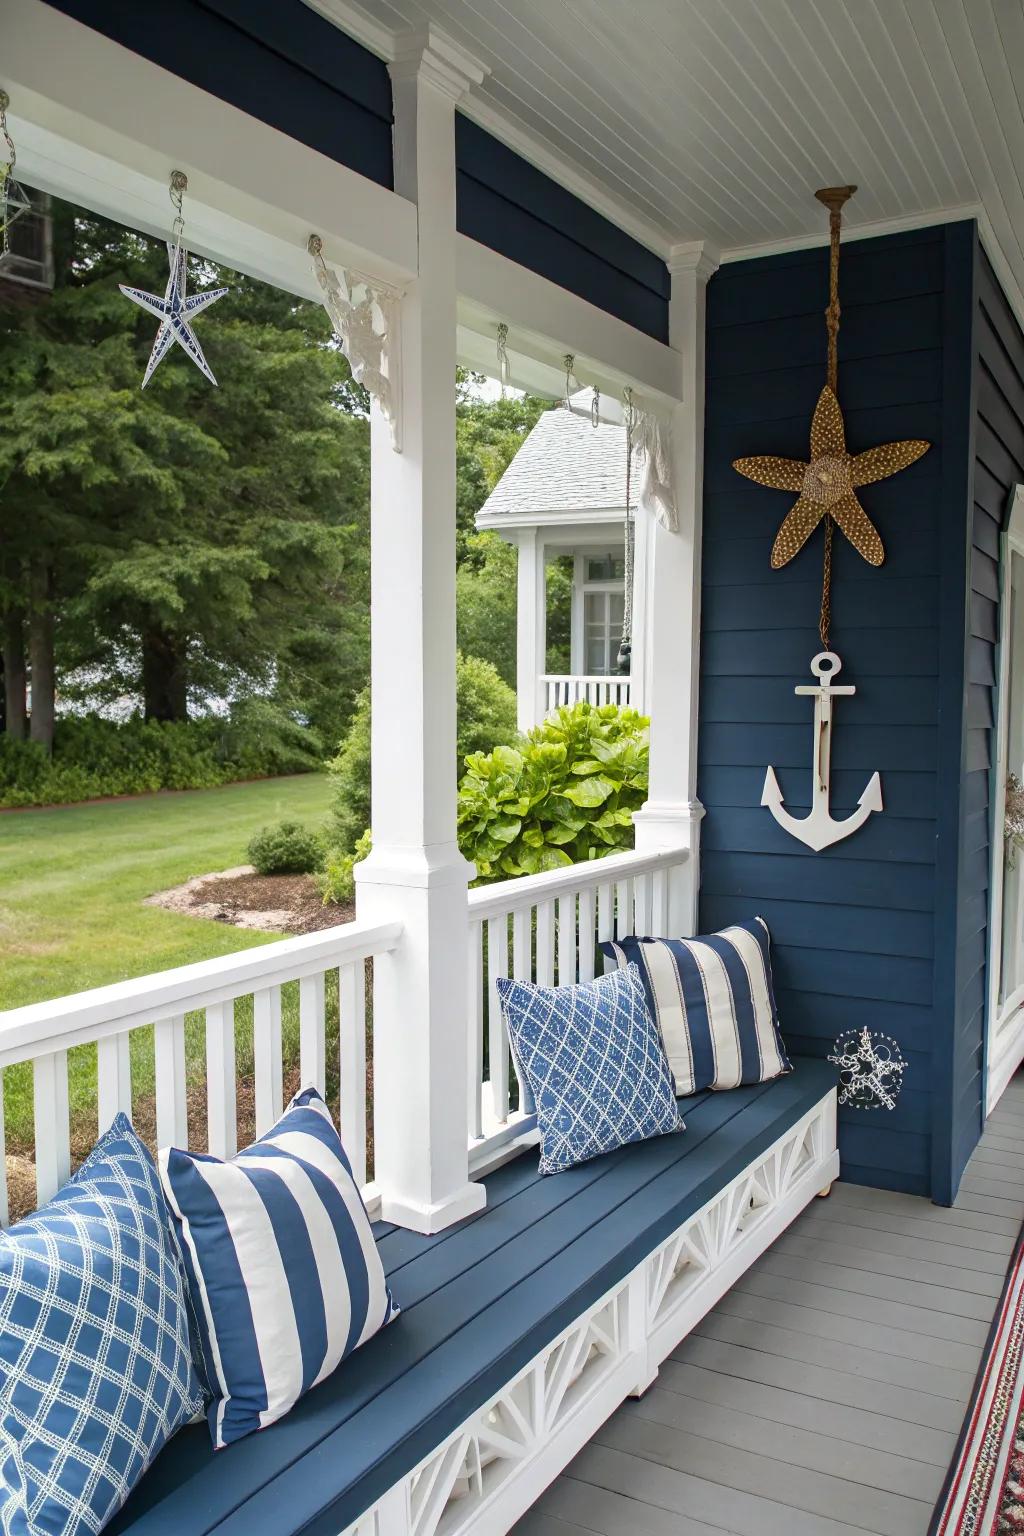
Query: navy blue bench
[577, 1276]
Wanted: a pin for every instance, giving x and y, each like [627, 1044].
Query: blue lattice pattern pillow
[96, 1371]
[593, 1059]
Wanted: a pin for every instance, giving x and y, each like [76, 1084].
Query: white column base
[434, 1218]
[420, 1027]
[674, 825]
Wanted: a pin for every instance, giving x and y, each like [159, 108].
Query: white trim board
[1004, 1025]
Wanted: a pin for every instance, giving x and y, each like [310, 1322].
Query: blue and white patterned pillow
[713, 999]
[594, 1062]
[283, 1270]
[96, 1369]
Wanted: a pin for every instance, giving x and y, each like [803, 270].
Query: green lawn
[72, 883]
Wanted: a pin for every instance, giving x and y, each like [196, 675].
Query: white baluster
[221, 1112]
[606, 921]
[312, 1058]
[475, 1011]
[642, 898]
[497, 965]
[659, 913]
[4, 1207]
[53, 1144]
[352, 1111]
[624, 909]
[546, 944]
[567, 941]
[267, 1063]
[171, 1083]
[588, 924]
[114, 1079]
[522, 970]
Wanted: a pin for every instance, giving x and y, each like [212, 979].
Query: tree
[185, 542]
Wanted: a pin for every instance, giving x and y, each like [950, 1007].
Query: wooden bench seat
[521, 1329]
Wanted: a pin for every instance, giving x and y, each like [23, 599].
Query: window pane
[608, 567]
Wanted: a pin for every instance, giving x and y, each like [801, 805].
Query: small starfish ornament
[871, 1069]
[174, 311]
[827, 486]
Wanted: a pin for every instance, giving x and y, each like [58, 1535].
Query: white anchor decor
[826, 487]
[820, 829]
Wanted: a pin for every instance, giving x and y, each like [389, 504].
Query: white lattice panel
[482, 1479]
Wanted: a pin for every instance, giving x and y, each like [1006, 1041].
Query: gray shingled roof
[565, 465]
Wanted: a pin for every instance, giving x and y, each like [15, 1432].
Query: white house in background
[565, 494]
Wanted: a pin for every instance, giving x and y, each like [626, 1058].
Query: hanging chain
[569, 364]
[504, 366]
[595, 408]
[176, 191]
[6, 172]
[625, 646]
[833, 199]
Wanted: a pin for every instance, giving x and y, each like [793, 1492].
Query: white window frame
[582, 588]
[1004, 1027]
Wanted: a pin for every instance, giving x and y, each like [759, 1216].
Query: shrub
[337, 879]
[93, 757]
[286, 848]
[486, 716]
[566, 794]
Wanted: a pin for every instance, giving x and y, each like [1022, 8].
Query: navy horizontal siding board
[505, 203]
[277, 60]
[479, 1301]
[856, 929]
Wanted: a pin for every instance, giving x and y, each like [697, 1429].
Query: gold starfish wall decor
[827, 484]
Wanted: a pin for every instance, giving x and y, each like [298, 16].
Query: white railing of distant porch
[545, 928]
[219, 996]
[566, 689]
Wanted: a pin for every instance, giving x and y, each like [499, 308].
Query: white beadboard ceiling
[716, 119]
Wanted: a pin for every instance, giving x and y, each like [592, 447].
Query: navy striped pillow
[713, 999]
[283, 1271]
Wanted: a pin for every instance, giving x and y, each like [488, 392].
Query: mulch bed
[295, 894]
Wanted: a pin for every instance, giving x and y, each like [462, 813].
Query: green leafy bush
[93, 757]
[337, 880]
[566, 794]
[486, 716]
[285, 848]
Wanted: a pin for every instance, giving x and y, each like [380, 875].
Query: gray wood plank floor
[824, 1394]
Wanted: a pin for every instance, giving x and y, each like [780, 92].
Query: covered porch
[509, 192]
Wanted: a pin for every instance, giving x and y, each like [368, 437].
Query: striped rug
[984, 1491]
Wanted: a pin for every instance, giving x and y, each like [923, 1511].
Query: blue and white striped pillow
[283, 1271]
[713, 999]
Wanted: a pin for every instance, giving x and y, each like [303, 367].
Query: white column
[671, 605]
[531, 628]
[415, 872]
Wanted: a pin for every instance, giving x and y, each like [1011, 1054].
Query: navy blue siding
[998, 468]
[275, 59]
[508, 205]
[861, 935]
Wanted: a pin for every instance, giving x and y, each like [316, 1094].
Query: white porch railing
[317, 980]
[544, 928]
[565, 689]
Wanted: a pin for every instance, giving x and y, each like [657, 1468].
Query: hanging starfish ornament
[176, 308]
[827, 484]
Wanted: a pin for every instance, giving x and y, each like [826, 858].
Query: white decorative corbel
[366, 315]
